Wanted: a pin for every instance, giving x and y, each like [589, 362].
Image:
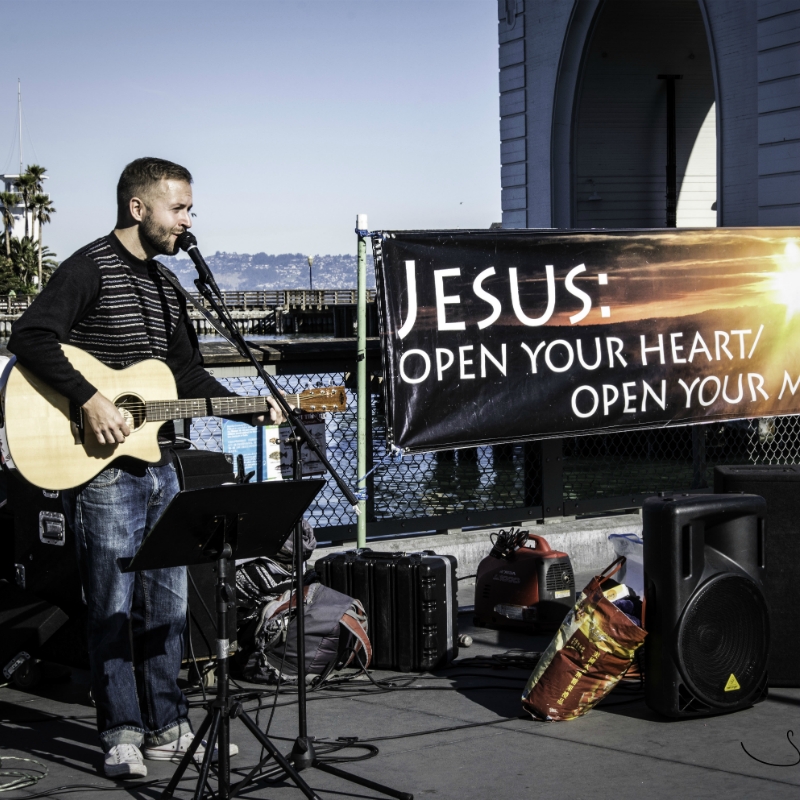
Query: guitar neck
[162, 410]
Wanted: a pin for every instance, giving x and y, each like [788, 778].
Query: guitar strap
[173, 281]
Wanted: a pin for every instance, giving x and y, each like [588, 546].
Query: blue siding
[779, 112]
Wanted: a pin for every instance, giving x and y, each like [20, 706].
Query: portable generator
[523, 583]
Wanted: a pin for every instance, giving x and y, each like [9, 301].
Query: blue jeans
[136, 620]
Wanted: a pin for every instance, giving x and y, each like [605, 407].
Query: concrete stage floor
[621, 750]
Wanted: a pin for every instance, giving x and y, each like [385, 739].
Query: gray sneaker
[174, 751]
[124, 761]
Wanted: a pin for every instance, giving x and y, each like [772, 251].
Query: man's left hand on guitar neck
[275, 416]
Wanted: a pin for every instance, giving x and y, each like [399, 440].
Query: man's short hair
[142, 175]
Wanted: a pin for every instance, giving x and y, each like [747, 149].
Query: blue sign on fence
[263, 449]
[242, 439]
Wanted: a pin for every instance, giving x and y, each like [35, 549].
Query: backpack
[258, 578]
[335, 635]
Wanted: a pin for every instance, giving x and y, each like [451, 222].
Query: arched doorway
[619, 124]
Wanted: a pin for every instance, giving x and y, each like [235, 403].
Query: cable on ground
[23, 776]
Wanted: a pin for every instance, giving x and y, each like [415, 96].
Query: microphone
[188, 243]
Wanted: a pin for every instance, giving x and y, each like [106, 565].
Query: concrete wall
[585, 541]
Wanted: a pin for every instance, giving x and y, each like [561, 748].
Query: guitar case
[39, 557]
[410, 600]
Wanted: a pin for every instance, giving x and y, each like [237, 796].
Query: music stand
[303, 755]
[222, 523]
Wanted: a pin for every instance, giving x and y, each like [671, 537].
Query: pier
[266, 311]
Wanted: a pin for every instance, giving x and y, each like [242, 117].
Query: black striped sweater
[134, 315]
[118, 308]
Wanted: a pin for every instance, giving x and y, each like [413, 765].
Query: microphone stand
[303, 755]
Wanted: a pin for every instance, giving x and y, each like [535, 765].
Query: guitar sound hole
[133, 409]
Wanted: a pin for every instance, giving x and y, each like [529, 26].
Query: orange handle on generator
[540, 542]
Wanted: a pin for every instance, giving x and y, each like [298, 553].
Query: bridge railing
[251, 299]
[15, 304]
[292, 298]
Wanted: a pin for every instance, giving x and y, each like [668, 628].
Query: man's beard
[157, 236]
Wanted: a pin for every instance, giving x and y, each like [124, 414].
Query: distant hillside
[240, 271]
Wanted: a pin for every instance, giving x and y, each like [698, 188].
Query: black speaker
[200, 468]
[707, 618]
[26, 624]
[780, 487]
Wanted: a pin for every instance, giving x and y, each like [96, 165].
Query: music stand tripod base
[218, 524]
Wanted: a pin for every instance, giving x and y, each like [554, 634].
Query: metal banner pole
[361, 377]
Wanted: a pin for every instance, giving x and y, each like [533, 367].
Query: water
[270, 337]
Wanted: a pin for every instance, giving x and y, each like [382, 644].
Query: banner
[512, 335]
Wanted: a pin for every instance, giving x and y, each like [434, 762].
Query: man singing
[110, 300]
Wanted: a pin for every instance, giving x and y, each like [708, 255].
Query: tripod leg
[223, 758]
[290, 771]
[209, 754]
[340, 773]
[187, 758]
[254, 772]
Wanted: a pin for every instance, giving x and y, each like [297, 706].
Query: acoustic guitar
[43, 436]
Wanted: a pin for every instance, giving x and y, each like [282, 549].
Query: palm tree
[8, 275]
[23, 256]
[42, 209]
[26, 183]
[8, 201]
[38, 175]
[48, 263]
[25, 259]
[35, 173]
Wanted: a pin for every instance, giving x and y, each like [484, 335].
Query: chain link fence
[426, 488]
[676, 459]
[420, 486]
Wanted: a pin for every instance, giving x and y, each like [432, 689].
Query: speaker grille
[724, 632]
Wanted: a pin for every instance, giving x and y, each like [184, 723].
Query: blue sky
[292, 116]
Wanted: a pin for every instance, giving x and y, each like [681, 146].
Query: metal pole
[300, 604]
[223, 645]
[19, 114]
[361, 377]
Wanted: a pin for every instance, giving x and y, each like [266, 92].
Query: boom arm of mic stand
[293, 418]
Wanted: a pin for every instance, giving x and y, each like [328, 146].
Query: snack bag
[590, 652]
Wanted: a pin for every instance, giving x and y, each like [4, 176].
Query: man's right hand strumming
[103, 418]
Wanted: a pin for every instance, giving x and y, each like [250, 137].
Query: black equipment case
[37, 554]
[410, 600]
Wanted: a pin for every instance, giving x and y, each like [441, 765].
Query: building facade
[584, 112]
[18, 210]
